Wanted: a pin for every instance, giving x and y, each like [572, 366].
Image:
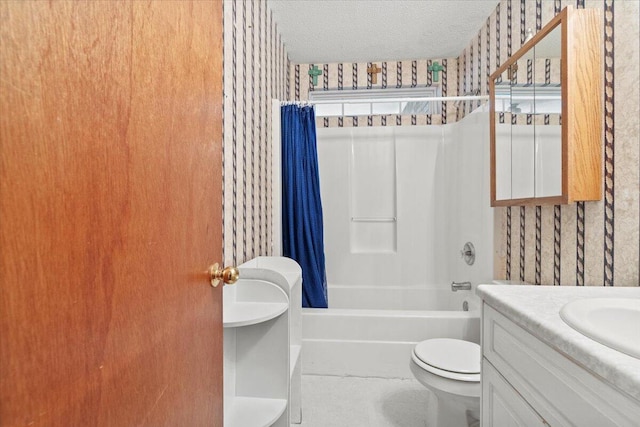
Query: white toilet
[450, 368]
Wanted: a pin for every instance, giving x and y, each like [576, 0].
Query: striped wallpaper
[394, 74]
[255, 71]
[591, 243]
[587, 243]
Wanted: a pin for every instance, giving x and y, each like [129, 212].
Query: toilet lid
[449, 354]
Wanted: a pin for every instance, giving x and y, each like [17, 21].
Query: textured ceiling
[324, 31]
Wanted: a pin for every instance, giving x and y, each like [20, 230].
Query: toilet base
[443, 412]
[447, 409]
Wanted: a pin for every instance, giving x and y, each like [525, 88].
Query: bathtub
[371, 331]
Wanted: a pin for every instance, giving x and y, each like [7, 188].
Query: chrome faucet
[460, 286]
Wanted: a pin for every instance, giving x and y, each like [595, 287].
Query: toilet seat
[449, 358]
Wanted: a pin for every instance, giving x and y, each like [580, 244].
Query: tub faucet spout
[460, 286]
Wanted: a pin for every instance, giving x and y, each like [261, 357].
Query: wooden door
[110, 212]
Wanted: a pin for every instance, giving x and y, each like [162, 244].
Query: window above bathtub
[365, 102]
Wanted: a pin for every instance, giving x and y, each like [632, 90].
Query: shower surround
[399, 205]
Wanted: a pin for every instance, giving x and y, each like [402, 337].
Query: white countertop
[537, 309]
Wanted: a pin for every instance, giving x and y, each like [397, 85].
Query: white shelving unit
[262, 344]
[250, 313]
[253, 411]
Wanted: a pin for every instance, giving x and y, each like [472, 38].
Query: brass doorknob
[229, 275]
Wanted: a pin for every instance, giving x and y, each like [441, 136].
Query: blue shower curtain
[302, 230]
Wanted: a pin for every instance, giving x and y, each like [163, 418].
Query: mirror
[527, 122]
[522, 128]
[502, 124]
[546, 115]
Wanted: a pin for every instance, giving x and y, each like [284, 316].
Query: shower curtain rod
[302, 103]
[383, 100]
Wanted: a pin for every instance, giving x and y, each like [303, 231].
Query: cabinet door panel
[502, 406]
[503, 161]
[522, 162]
[548, 175]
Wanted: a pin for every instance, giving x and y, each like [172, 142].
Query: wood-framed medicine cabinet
[546, 115]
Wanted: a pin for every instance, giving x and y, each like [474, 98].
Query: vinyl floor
[329, 401]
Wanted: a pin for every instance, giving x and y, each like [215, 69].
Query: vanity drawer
[562, 392]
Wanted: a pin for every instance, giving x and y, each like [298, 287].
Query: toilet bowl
[450, 368]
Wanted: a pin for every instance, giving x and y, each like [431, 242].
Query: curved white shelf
[254, 412]
[249, 313]
[252, 301]
[262, 347]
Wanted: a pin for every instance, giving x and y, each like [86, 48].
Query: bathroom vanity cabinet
[528, 382]
[546, 115]
[262, 343]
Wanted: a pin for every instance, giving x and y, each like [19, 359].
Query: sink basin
[614, 322]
